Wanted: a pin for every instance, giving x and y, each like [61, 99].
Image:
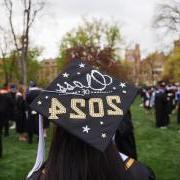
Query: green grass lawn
[160, 149]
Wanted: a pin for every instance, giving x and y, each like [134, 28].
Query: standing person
[20, 115]
[5, 103]
[170, 98]
[124, 137]
[178, 104]
[32, 121]
[161, 106]
[87, 110]
[147, 99]
[12, 109]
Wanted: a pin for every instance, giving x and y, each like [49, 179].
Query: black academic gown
[134, 170]
[6, 105]
[124, 137]
[32, 121]
[137, 171]
[161, 109]
[20, 115]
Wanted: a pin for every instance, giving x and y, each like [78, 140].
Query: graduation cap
[85, 102]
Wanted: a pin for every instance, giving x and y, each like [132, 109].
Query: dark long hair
[71, 159]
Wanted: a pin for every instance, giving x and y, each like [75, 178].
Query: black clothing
[178, 113]
[32, 121]
[161, 109]
[20, 115]
[124, 137]
[138, 171]
[6, 106]
[1, 146]
[134, 171]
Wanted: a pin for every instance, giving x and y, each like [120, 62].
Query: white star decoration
[78, 73]
[39, 102]
[81, 65]
[104, 135]
[114, 88]
[122, 85]
[66, 75]
[101, 122]
[46, 97]
[86, 129]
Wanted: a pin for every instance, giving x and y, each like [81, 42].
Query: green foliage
[10, 66]
[157, 148]
[96, 43]
[95, 35]
[172, 67]
[33, 65]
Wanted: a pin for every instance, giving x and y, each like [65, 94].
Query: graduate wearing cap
[87, 107]
[161, 106]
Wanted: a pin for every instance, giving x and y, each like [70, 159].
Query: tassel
[41, 150]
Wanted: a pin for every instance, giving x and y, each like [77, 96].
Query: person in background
[12, 109]
[178, 104]
[161, 106]
[170, 98]
[32, 120]
[20, 115]
[5, 104]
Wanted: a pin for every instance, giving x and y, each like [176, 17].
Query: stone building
[133, 56]
[151, 68]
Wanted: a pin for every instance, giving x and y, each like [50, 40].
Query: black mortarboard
[87, 103]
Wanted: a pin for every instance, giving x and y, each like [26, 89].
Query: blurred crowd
[16, 113]
[165, 99]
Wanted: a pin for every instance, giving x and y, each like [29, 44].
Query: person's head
[13, 88]
[21, 89]
[161, 84]
[70, 158]
[32, 84]
[89, 105]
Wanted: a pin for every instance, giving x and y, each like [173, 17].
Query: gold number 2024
[57, 108]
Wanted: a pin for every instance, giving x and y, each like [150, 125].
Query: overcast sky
[60, 16]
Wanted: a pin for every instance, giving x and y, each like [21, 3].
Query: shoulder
[136, 170]
[139, 170]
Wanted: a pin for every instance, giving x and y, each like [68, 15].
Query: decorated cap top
[87, 103]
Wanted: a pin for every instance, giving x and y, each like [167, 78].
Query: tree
[30, 9]
[95, 42]
[168, 16]
[6, 51]
[172, 67]
[33, 64]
